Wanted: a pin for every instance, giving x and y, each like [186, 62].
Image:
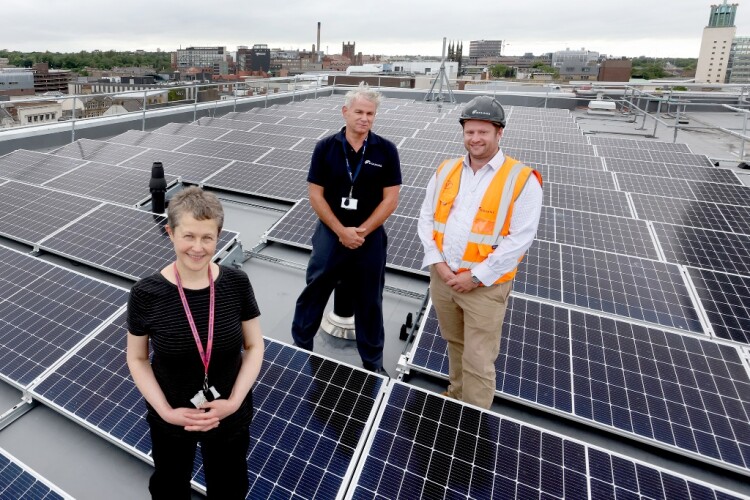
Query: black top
[381, 168]
[155, 309]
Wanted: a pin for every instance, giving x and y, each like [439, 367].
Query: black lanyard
[353, 177]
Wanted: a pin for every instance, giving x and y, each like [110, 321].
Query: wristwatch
[475, 280]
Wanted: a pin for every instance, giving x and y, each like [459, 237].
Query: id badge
[349, 203]
[204, 396]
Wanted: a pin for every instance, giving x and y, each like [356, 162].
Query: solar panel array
[643, 234]
[599, 195]
[45, 311]
[427, 446]
[19, 481]
[611, 324]
[310, 423]
[669, 389]
[122, 240]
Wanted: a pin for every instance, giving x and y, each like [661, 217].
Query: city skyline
[665, 29]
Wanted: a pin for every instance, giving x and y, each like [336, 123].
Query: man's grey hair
[362, 92]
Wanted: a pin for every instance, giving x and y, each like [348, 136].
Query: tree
[650, 71]
[502, 71]
[544, 68]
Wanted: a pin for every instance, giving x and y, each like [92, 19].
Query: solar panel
[33, 167]
[189, 130]
[523, 143]
[574, 160]
[539, 273]
[19, 481]
[439, 135]
[680, 211]
[405, 252]
[226, 150]
[203, 147]
[569, 148]
[639, 144]
[602, 201]
[126, 186]
[738, 217]
[226, 123]
[310, 418]
[534, 360]
[45, 310]
[426, 446]
[289, 130]
[631, 287]
[260, 139]
[659, 170]
[256, 116]
[655, 156]
[261, 180]
[94, 388]
[310, 424]
[647, 383]
[392, 132]
[576, 176]
[298, 160]
[288, 185]
[99, 151]
[410, 201]
[421, 158]
[525, 155]
[704, 248]
[190, 168]
[546, 229]
[726, 300]
[412, 175]
[677, 188]
[150, 140]
[681, 158]
[125, 241]
[81, 149]
[603, 232]
[571, 138]
[447, 148]
[721, 193]
[306, 144]
[678, 390]
[30, 213]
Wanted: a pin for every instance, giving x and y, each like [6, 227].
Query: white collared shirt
[523, 222]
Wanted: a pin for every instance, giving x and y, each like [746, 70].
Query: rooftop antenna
[441, 77]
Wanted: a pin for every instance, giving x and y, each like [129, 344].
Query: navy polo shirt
[381, 168]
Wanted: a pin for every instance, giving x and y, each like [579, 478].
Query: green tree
[649, 71]
[545, 68]
[502, 71]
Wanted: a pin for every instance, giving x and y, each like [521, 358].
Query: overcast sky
[657, 28]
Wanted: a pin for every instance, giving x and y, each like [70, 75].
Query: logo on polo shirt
[368, 162]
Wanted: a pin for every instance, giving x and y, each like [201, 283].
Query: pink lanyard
[205, 356]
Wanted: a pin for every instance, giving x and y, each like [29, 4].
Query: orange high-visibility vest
[497, 205]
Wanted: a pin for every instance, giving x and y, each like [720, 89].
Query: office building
[713, 58]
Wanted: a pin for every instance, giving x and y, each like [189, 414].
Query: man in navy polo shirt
[354, 182]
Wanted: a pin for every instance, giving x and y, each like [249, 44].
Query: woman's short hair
[362, 92]
[200, 204]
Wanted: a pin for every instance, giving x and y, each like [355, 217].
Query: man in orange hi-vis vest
[479, 216]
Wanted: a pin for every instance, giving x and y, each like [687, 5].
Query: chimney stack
[317, 56]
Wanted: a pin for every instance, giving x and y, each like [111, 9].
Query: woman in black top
[203, 323]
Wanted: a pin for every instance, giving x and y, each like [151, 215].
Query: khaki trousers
[471, 323]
